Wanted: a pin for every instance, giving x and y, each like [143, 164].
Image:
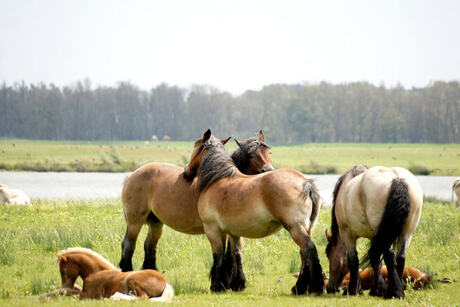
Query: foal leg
[395, 287]
[128, 246]
[238, 279]
[311, 274]
[219, 276]
[151, 242]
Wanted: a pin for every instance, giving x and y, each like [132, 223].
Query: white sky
[233, 45]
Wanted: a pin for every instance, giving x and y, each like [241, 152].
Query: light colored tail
[166, 296]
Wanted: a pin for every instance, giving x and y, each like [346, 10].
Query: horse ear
[238, 143]
[224, 141]
[328, 235]
[206, 135]
[261, 136]
[61, 258]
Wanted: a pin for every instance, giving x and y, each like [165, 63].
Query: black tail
[393, 220]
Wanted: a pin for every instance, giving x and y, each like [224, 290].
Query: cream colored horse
[381, 204]
[456, 191]
[13, 196]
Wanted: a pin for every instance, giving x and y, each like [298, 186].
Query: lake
[52, 185]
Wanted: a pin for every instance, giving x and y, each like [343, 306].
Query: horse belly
[256, 223]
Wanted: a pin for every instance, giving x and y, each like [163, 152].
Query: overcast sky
[232, 45]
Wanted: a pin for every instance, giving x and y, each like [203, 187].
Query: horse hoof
[238, 286]
[217, 288]
[297, 291]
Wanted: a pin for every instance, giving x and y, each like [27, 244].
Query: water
[108, 185]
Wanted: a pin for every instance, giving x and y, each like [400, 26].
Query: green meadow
[314, 158]
[31, 236]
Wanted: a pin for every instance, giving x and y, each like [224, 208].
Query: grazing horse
[13, 196]
[456, 191]
[381, 204]
[159, 193]
[101, 279]
[234, 204]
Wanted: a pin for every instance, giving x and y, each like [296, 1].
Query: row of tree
[353, 112]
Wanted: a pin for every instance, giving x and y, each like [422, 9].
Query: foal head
[253, 156]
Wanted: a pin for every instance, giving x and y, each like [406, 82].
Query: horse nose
[267, 168]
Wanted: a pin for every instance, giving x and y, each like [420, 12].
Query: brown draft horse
[238, 205]
[159, 193]
[101, 279]
[381, 204]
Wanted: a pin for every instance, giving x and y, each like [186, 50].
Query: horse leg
[378, 284]
[354, 287]
[151, 242]
[395, 286]
[403, 243]
[238, 279]
[219, 276]
[311, 273]
[228, 262]
[128, 246]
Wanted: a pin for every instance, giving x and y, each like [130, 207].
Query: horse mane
[87, 251]
[216, 164]
[354, 171]
[247, 148]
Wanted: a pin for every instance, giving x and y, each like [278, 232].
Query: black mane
[354, 171]
[247, 148]
[216, 164]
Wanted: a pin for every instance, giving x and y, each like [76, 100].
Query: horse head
[200, 150]
[69, 271]
[253, 156]
[338, 263]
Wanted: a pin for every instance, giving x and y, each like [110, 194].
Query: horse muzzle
[267, 168]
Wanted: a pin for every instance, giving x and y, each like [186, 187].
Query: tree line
[324, 112]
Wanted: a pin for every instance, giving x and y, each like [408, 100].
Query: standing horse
[159, 193]
[381, 204]
[238, 205]
[102, 280]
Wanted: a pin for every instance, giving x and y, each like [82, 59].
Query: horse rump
[392, 224]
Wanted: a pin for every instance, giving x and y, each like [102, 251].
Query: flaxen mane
[216, 164]
[354, 171]
[87, 251]
[247, 148]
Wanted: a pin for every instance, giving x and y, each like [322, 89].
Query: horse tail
[393, 220]
[166, 296]
[311, 191]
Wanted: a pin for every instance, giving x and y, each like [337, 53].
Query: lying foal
[101, 279]
[412, 275]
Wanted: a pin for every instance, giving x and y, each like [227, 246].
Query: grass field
[314, 158]
[31, 236]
